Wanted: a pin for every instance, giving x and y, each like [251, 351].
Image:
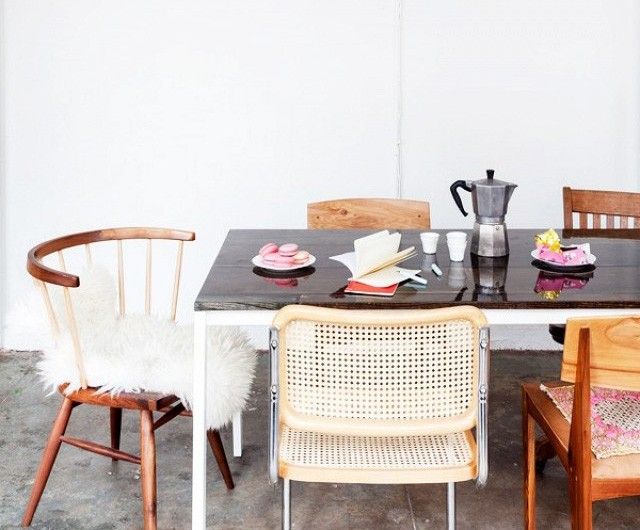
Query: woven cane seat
[321, 457]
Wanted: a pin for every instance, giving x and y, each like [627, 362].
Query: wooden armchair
[145, 402]
[603, 352]
[369, 213]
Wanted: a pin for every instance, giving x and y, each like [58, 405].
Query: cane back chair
[146, 403]
[369, 213]
[603, 352]
[378, 397]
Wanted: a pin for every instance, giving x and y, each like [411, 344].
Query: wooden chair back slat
[567, 208]
[369, 213]
[584, 220]
[87, 253]
[610, 221]
[121, 294]
[53, 320]
[147, 281]
[595, 202]
[63, 265]
[176, 280]
[75, 337]
[615, 351]
[44, 275]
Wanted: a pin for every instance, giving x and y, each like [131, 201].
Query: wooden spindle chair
[145, 402]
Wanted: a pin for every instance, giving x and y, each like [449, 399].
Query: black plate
[566, 269]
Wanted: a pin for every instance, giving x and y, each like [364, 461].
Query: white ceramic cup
[457, 243]
[429, 242]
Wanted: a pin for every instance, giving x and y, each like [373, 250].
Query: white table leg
[199, 478]
[237, 434]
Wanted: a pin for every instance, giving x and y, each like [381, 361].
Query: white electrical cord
[399, 176]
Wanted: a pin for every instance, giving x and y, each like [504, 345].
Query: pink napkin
[573, 256]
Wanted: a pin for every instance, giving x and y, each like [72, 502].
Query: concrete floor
[87, 492]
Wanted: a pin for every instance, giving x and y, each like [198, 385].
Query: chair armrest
[482, 425]
[274, 435]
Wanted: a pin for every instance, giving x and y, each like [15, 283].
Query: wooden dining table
[510, 290]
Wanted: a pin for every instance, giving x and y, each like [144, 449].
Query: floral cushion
[615, 418]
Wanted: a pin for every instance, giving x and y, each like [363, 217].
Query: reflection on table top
[491, 283]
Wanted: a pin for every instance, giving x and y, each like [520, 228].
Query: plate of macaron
[286, 257]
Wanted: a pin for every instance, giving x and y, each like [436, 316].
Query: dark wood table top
[233, 283]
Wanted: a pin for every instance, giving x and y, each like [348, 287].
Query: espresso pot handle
[456, 196]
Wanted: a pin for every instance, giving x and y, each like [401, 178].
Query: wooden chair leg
[581, 506]
[115, 417]
[48, 458]
[580, 439]
[529, 467]
[148, 470]
[218, 451]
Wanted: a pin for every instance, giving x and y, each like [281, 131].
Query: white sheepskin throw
[139, 352]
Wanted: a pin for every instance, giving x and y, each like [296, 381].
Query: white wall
[545, 92]
[212, 115]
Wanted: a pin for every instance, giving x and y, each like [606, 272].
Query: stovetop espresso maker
[490, 200]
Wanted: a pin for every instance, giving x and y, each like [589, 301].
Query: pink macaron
[272, 257]
[284, 260]
[269, 248]
[300, 257]
[288, 249]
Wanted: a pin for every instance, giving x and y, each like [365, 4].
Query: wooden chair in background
[376, 214]
[379, 397]
[601, 352]
[596, 209]
[145, 402]
[600, 209]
